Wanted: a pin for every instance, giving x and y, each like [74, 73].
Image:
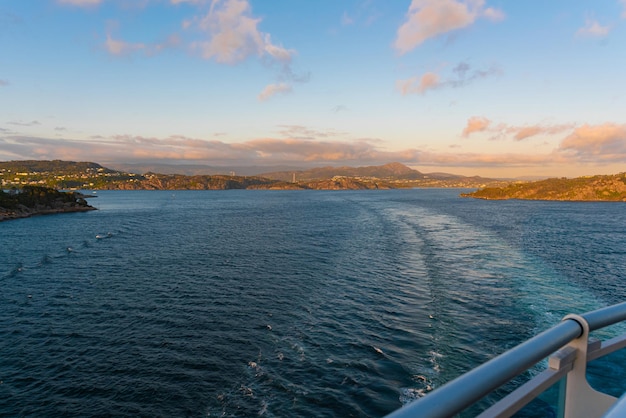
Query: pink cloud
[430, 18]
[592, 142]
[519, 133]
[118, 47]
[475, 124]
[274, 89]
[523, 132]
[419, 85]
[461, 75]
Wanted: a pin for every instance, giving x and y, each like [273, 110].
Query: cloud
[128, 148]
[518, 133]
[80, 3]
[430, 18]
[593, 29]
[623, 15]
[461, 75]
[305, 133]
[346, 20]
[428, 81]
[273, 89]
[118, 47]
[476, 124]
[224, 31]
[20, 123]
[230, 35]
[233, 35]
[4, 83]
[606, 142]
[586, 144]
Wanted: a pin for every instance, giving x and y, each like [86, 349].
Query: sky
[494, 88]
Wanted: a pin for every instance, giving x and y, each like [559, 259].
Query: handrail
[467, 389]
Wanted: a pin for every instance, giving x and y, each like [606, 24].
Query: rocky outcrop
[34, 200]
[591, 188]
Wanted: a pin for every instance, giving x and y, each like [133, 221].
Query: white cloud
[430, 18]
[233, 35]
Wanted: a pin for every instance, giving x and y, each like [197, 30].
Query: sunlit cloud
[224, 31]
[461, 75]
[430, 18]
[593, 29]
[274, 89]
[606, 142]
[233, 35]
[477, 124]
[305, 133]
[119, 47]
[428, 81]
[586, 144]
[264, 151]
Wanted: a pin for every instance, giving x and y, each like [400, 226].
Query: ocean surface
[289, 303]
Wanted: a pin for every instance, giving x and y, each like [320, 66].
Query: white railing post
[581, 400]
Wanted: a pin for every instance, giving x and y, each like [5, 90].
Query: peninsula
[590, 188]
[36, 200]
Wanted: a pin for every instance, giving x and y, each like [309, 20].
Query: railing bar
[479, 382]
[606, 316]
[607, 347]
[520, 397]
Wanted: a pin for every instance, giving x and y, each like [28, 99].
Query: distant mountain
[589, 188]
[394, 171]
[88, 175]
[194, 169]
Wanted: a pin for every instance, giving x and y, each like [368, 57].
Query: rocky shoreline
[35, 201]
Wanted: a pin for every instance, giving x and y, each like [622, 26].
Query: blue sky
[474, 87]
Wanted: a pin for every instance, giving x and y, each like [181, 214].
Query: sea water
[288, 303]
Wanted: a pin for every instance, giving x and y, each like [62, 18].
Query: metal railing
[569, 348]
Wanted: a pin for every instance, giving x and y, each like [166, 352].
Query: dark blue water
[286, 303]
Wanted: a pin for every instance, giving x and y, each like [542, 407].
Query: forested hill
[58, 167]
[590, 188]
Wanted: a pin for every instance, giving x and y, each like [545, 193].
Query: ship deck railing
[568, 348]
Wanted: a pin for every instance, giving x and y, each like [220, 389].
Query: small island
[610, 188]
[37, 200]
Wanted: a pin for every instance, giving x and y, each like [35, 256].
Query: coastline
[7, 215]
